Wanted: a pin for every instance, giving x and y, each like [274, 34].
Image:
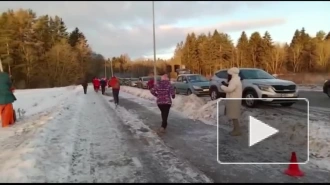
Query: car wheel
[287, 104]
[189, 92]
[250, 101]
[328, 92]
[214, 94]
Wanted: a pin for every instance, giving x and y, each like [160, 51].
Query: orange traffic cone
[293, 169]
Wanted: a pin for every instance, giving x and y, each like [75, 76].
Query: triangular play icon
[259, 131]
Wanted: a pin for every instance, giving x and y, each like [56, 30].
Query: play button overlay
[259, 131]
[269, 134]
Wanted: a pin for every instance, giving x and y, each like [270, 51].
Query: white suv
[257, 83]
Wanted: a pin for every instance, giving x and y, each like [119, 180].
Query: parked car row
[258, 87]
[141, 82]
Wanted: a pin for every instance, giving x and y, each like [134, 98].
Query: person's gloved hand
[173, 96]
[224, 83]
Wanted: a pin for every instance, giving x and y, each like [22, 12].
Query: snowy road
[85, 141]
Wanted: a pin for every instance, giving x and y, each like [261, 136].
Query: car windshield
[197, 78]
[134, 79]
[255, 74]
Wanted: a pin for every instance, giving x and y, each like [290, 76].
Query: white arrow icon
[259, 131]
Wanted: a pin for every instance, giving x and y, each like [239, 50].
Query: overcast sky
[114, 28]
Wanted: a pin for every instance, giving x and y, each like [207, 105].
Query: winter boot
[237, 130]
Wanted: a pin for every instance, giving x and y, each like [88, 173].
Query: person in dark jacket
[84, 83]
[103, 83]
[6, 99]
[164, 92]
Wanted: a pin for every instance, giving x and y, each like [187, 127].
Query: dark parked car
[326, 87]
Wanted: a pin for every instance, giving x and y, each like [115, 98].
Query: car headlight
[263, 87]
[196, 87]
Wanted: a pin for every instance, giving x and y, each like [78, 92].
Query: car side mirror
[185, 81]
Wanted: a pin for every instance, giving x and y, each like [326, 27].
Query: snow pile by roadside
[310, 88]
[192, 106]
[33, 101]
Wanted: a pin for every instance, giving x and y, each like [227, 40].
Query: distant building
[174, 68]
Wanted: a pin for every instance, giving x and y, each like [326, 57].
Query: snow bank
[317, 88]
[198, 108]
[34, 101]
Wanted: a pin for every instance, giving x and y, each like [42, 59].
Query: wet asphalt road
[316, 99]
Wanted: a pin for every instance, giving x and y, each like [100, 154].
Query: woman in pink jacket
[164, 92]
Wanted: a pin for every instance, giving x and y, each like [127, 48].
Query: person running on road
[164, 92]
[115, 84]
[84, 83]
[233, 107]
[103, 83]
[6, 99]
[96, 83]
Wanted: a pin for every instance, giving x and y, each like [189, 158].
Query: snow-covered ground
[35, 104]
[67, 136]
[289, 120]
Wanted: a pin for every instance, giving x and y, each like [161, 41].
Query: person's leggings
[115, 93]
[103, 89]
[85, 89]
[165, 110]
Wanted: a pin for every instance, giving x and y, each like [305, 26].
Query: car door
[185, 85]
[178, 84]
[221, 76]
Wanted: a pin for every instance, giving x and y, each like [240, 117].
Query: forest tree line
[206, 53]
[38, 51]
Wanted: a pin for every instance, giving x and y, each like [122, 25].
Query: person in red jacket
[115, 84]
[151, 82]
[96, 83]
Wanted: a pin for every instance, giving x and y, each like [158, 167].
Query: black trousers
[115, 94]
[165, 110]
[103, 89]
[85, 89]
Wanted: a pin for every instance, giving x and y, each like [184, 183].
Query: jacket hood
[164, 77]
[233, 71]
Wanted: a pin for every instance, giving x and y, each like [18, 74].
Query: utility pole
[105, 68]
[154, 40]
[111, 68]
